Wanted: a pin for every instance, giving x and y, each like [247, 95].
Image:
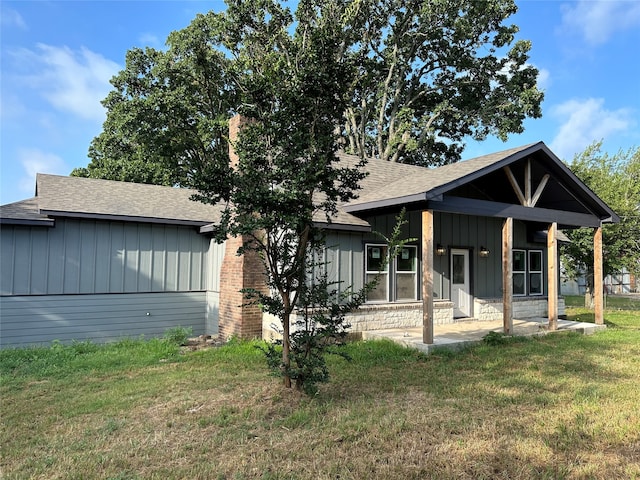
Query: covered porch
[547, 195]
[485, 233]
[456, 336]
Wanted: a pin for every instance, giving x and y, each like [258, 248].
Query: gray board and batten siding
[345, 251]
[104, 280]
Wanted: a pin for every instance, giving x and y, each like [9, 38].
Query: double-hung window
[535, 272]
[519, 272]
[527, 272]
[406, 274]
[397, 280]
[377, 266]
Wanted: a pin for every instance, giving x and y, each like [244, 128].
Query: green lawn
[553, 407]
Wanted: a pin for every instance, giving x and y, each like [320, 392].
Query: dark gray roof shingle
[386, 184]
[24, 212]
[88, 197]
[387, 181]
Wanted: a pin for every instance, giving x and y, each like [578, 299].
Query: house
[622, 282]
[102, 260]
[96, 259]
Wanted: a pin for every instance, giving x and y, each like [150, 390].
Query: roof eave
[126, 218]
[45, 222]
[389, 202]
[347, 227]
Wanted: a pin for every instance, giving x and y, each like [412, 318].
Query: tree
[616, 180]
[167, 114]
[432, 73]
[291, 84]
[428, 75]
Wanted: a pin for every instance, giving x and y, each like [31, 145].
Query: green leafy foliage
[411, 81]
[495, 338]
[431, 74]
[178, 335]
[616, 180]
[318, 327]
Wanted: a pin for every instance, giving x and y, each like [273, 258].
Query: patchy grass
[554, 407]
[621, 312]
[612, 302]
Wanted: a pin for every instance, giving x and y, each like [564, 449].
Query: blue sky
[57, 58]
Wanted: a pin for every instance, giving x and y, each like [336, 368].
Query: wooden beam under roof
[472, 206]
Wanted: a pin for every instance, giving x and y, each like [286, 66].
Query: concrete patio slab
[455, 336]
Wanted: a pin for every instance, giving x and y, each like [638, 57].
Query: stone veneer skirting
[523, 307]
[408, 315]
[399, 315]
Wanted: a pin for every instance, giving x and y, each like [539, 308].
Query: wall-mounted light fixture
[484, 252]
[440, 250]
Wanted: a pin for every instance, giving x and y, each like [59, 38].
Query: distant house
[96, 259]
[614, 284]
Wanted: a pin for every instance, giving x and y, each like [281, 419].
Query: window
[535, 272]
[527, 272]
[407, 274]
[375, 266]
[398, 280]
[519, 272]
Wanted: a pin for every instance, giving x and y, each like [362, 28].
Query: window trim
[541, 272]
[391, 273]
[527, 272]
[413, 272]
[376, 272]
[523, 272]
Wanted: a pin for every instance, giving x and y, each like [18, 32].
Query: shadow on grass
[531, 369]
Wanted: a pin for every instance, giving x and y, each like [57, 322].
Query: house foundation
[409, 315]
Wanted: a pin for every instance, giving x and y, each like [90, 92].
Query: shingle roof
[25, 212]
[88, 197]
[387, 184]
[388, 181]
[94, 198]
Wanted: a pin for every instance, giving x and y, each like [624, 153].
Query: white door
[460, 285]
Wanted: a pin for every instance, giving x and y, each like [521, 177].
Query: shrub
[178, 335]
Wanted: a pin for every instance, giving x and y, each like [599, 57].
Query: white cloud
[71, 81]
[11, 18]
[36, 161]
[584, 121]
[544, 79]
[151, 40]
[598, 20]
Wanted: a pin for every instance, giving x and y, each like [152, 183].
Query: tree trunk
[286, 348]
[589, 301]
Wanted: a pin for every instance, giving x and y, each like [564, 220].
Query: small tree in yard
[615, 179]
[293, 87]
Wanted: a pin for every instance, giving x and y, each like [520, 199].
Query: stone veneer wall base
[409, 315]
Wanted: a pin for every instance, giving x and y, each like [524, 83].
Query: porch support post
[597, 276]
[427, 276]
[552, 275]
[507, 275]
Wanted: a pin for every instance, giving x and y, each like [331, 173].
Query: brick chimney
[235, 124]
[239, 271]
